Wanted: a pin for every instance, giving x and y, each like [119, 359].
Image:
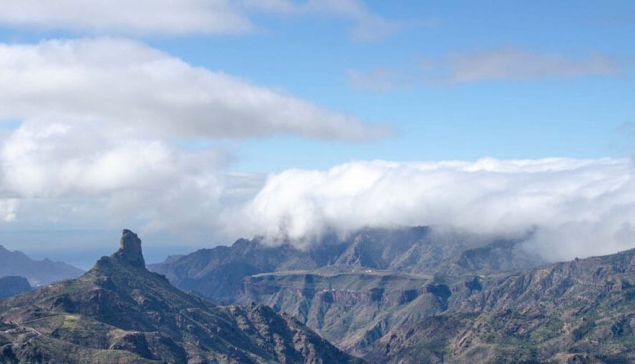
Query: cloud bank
[580, 207]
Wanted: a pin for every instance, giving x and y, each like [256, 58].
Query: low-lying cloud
[580, 207]
[576, 208]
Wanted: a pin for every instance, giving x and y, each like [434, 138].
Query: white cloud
[61, 176]
[141, 17]
[368, 26]
[593, 198]
[506, 64]
[120, 16]
[70, 174]
[517, 65]
[50, 160]
[99, 131]
[8, 209]
[139, 90]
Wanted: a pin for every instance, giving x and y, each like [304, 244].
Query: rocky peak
[130, 249]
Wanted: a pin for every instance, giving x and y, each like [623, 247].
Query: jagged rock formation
[39, 273]
[130, 249]
[120, 312]
[12, 285]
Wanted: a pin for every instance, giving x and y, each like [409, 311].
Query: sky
[196, 122]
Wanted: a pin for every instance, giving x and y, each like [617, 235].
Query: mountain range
[37, 272]
[430, 295]
[119, 312]
[407, 295]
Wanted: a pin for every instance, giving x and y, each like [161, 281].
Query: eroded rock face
[130, 249]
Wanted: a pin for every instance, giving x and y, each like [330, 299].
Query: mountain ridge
[581, 311]
[38, 272]
[120, 311]
[350, 291]
[438, 298]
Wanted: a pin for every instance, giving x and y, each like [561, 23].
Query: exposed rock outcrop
[130, 249]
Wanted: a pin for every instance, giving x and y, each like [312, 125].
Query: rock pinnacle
[130, 249]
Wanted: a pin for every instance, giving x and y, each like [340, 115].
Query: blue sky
[535, 118]
[552, 115]
[178, 119]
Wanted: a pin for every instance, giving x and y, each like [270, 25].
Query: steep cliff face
[130, 249]
[120, 312]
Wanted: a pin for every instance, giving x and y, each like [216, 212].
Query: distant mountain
[356, 290]
[218, 273]
[119, 312]
[39, 273]
[12, 285]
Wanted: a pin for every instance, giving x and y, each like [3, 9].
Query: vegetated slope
[12, 285]
[575, 312]
[351, 291]
[120, 312]
[38, 272]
